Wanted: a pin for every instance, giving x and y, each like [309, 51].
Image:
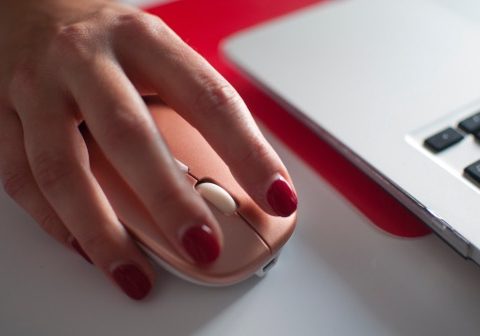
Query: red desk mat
[204, 24]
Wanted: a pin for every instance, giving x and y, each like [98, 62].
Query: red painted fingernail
[282, 198]
[132, 281]
[80, 251]
[201, 244]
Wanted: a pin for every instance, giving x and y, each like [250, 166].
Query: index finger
[191, 86]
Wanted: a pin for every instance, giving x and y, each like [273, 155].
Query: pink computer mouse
[252, 238]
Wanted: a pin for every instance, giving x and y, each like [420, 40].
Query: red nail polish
[80, 251]
[132, 281]
[282, 198]
[201, 244]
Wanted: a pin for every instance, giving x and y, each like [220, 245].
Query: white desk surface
[339, 275]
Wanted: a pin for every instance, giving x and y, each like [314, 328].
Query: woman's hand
[63, 62]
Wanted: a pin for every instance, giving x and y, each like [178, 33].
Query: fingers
[20, 185]
[122, 126]
[18, 181]
[186, 82]
[58, 159]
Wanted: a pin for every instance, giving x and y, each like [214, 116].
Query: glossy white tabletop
[339, 275]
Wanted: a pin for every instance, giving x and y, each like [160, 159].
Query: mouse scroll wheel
[218, 197]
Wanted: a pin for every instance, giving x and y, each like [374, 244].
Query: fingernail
[74, 243]
[282, 198]
[132, 281]
[201, 244]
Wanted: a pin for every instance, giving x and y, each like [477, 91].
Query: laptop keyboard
[473, 171]
[471, 125]
[452, 136]
[444, 139]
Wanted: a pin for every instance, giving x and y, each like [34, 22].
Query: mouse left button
[183, 167]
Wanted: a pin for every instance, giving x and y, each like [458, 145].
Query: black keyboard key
[473, 171]
[477, 135]
[443, 140]
[471, 125]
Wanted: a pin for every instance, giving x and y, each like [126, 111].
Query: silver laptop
[395, 86]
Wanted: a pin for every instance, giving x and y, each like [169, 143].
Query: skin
[65, 62]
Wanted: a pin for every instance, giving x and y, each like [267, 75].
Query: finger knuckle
[24, 80]
[180, 202]
[14, 182]
[123, 126]
[50, 223]
[172, 198]
[168, 196]
[216, 96]
[72, 43]
[140, 24]
[94, 242]
[256, 151]
[50, 170]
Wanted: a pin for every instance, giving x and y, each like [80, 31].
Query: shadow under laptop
[412, 286]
